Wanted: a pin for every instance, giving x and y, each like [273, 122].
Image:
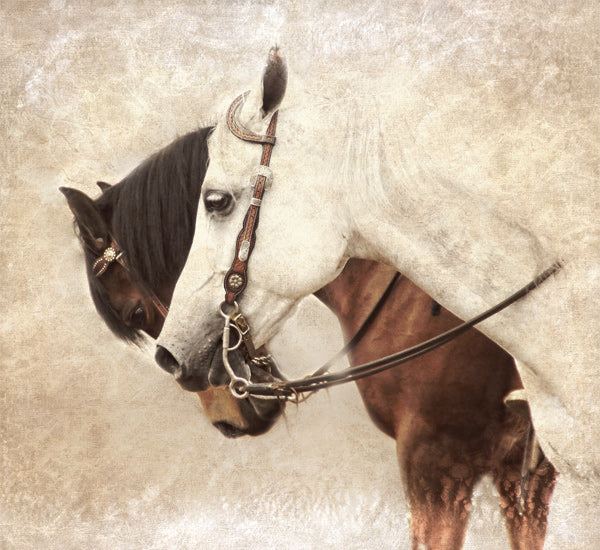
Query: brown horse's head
[136, 236]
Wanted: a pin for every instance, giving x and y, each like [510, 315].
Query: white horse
[470, 191]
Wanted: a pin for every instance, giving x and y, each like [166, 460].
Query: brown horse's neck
[353, 294]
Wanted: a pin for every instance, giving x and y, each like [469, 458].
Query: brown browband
[114, 252]
[237, 277]
[108, 256]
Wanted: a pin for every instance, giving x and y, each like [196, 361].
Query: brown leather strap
[108, 256]
[362, 329]
[237, 278]
[162, 309]
[291, 388]
[115, 253]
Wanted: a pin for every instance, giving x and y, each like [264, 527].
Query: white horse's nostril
[167, 361]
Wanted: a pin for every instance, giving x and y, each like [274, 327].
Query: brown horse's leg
[439, 492]
[526, 531]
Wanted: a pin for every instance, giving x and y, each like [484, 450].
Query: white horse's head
[300, 241]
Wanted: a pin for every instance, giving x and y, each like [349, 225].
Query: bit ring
[234, 311]
[238, 387]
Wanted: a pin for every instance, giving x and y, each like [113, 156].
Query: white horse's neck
[444, 175]
[465, 266]
[407, 217]
[403, 209]
[471, 204]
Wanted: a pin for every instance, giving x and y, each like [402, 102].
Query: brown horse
[445, 410]
[151, 214]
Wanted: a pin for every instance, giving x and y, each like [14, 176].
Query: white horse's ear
[274, 82]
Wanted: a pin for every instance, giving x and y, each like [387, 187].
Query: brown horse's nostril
[166, 361]
[229, 430]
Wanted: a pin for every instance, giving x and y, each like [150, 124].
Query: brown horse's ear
[103, 185]
[92, 226]
[274, 81]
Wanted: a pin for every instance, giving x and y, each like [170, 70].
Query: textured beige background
[99, 448]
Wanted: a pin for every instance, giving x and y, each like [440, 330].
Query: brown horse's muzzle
[235, 417]
[232, 416]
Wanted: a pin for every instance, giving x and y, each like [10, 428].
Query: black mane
[151, 214]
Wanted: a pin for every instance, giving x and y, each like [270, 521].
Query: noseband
[236, 280]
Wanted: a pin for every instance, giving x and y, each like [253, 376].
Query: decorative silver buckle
[101, 264]
[264, 171]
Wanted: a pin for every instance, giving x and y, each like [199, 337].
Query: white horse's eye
[217, 201]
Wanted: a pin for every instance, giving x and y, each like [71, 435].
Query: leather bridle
[237, 276]
[236, 281]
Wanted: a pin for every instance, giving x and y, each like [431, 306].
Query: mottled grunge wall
[99, 448]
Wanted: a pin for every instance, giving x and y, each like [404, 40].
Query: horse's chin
[229, 430]
[235, 417]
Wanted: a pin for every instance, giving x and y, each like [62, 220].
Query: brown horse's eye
[137, 319]
[217, 201]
